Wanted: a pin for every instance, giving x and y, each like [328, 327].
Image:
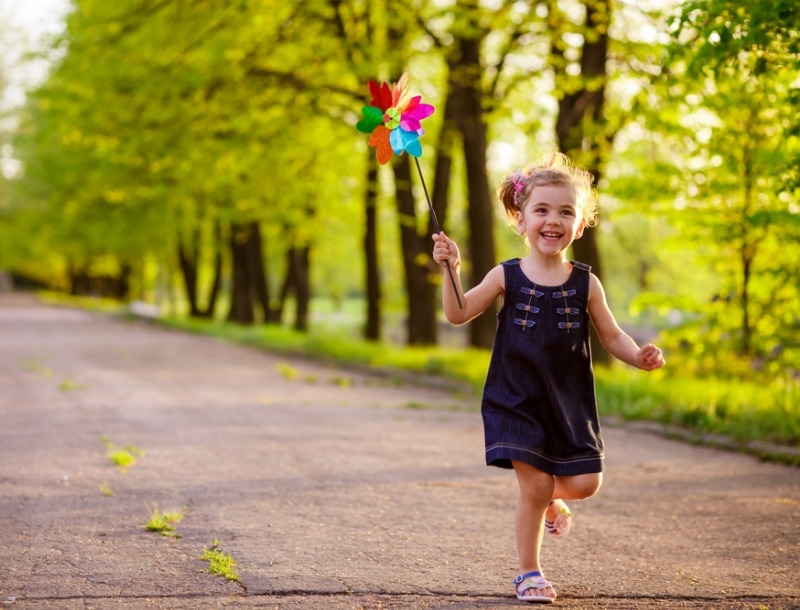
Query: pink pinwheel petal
[410, 123]
[421, 111]
[411, 117]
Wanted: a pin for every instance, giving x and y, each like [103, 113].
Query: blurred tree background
[203, 157]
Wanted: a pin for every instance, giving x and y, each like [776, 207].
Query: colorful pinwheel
[393, 119]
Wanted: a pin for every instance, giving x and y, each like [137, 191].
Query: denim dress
[539, 403]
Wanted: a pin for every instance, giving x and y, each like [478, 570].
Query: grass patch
[288, 371]
[68, 385]
[84, 302]
[123, 457]
[163, 522]
[36, 367]
[219, 563]
[745, 411]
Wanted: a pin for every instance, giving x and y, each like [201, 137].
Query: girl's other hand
[445, 251]
[650, 358]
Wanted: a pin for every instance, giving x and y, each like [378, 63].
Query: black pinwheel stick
[437, 229]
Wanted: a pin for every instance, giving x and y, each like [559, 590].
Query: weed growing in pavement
[162, 523]
[106, 490]
[36, 367]
[68, 385]
[122, 457]
[288, 371]
[220, 563]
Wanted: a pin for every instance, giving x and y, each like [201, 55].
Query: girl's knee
[581, 486]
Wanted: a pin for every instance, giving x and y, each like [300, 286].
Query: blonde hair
[557, 169]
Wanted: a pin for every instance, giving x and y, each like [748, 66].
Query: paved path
[333, 489]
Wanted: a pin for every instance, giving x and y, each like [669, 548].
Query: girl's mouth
[551, 235]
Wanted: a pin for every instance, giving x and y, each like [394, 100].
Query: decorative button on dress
[539, 403]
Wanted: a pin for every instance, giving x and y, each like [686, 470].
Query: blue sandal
[531, 582]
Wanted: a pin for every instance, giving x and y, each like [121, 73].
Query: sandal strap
[537, 581]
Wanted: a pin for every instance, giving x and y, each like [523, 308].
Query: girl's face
[551, 219]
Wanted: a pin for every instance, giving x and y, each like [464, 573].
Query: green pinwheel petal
[372, 118]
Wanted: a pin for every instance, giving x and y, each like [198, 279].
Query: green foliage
[721, 151]
[720, 31]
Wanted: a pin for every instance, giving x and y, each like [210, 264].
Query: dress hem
[502, 456]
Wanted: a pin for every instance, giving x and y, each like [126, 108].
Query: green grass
[123, 457]
[745, 411]
[219, 563]
[163, 522]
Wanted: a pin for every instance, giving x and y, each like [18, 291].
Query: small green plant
[124, 457]
[68, 385]
[220, 563]
[37, 367]
[162, 523]
[106, 490]
[288, 371]
[342, 382]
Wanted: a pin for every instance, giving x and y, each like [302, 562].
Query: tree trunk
[581, 129]
[259, 289]
[216, 283]
[187, 258]
[372, 329]
[303, 288]
[465, 71]
[241, 310]
[420, 291]
[297, 283]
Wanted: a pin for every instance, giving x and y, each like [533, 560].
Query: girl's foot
[533, 587]
[558, 519]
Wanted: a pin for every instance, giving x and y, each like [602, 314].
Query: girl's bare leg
[535, 492]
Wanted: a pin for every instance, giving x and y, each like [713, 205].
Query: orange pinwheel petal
[380, 140]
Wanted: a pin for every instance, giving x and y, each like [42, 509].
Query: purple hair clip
[519, 183]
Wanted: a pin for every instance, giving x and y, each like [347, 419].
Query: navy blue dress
[539, 403]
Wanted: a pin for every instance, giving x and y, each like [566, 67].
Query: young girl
[539, 410]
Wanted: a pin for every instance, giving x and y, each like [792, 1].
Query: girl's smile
[550, 219]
